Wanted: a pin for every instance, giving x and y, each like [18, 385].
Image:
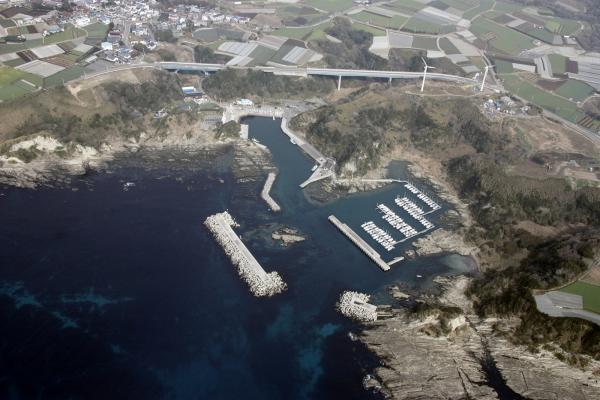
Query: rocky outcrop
[442, 241]
[469, 359]
[287, 236]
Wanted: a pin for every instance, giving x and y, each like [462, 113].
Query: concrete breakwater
[267, 189]
[260, 282]
[356, 305]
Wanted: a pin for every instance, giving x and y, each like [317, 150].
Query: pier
[260, 282]
[358, 241]
[265, 194]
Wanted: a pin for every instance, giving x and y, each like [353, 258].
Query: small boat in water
[293, 141]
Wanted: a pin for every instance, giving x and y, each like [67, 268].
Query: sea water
[114, 293]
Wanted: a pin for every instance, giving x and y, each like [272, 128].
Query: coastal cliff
[445, 351]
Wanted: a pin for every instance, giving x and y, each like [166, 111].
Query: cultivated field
[558, 105]
[589, 292]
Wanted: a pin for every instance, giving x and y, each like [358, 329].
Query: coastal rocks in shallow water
[260, 282]
[441, 241]
[287, 236]
[356, 305]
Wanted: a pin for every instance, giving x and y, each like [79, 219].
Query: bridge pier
[390, 81]
[339, 82]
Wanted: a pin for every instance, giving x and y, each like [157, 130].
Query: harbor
[403, 218]
[259, 281]
[265, 193]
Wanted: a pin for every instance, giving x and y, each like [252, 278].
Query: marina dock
[260, 282]
[265, 194]
[358, 241]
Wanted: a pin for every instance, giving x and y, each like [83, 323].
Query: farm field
[371, 29]
[14, 90]
[70, 33]
[558, 63]
[503, 67]
[395, 22]
[294, 33]
[425, 43]
[576, 90]
[331, 5]
[447, 46]
[409, 6]
[96, 31]
[484, 5]
[562, 26]
[506, 7]
[418, 25]
[589, 292]
[556, 104]
[462, 5]
[65, 75]
[500, 37]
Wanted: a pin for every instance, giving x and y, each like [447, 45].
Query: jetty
[260, 282]
[265, 194]
[356, 305]
[325, 166]
[358, 241]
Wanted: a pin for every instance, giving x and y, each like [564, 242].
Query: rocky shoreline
[456, 355]
[53, 166]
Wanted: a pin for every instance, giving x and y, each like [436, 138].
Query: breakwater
[356, 305]
[265, 194]
[260, 282]
[358, 241]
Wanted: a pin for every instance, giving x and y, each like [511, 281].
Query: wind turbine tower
[425, 73]
[487, 67]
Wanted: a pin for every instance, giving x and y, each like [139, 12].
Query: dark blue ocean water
[114, 294]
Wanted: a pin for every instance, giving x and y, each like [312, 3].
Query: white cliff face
[41, 143]
[260, 282]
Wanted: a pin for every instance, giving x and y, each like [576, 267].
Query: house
[82, 21]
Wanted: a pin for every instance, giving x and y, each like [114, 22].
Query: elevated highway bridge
[334, 72]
